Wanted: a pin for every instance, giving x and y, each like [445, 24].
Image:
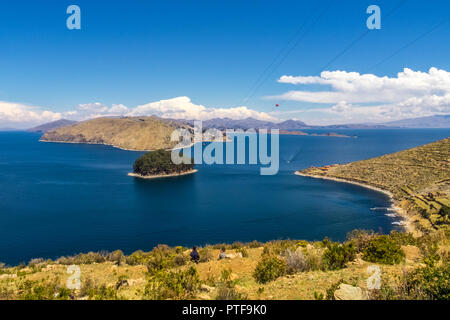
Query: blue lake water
[60, 199]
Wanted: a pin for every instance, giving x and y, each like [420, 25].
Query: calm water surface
[61, 199]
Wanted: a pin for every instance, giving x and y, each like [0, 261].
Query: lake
[61, 199]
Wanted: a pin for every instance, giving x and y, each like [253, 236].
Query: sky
[195, 59]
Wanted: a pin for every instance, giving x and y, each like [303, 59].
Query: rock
[203, 296]
[26, 270]
[133, 282]
[8, 276]
[233, 255]
[206, 288]
[348, 292]
[49, 267]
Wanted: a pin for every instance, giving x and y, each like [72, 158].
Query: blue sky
[135, 53]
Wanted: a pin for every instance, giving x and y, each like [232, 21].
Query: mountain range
[52, 125]
[440, 121]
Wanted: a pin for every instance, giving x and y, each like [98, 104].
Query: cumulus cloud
[357, 96]
[20, 114]
[183, 108]
[176, 108]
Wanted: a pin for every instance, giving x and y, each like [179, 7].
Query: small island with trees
[158, 164]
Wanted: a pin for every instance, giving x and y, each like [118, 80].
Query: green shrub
[444, 211]
[40, 290]
[278, 247]
[237, 245]
[205, 254]
[226, 288]
[94, 292]
[181, 260]
[116, 256]
[243, 251]
[161, 257]
[166, 284]
[426, 283]
[383, 249]
[138, 257]
[403, 238]
[269, 268]
[429, 247]
[83, 258]
[255, 244]
[360, 238]
[337, 255]
[332, 289]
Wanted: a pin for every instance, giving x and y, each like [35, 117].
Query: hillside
[304, 270]
[418, 178]
[52, 125]
[132, 133]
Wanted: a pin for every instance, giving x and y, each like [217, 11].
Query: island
[327, 134]
[158, 164]
[127, 133]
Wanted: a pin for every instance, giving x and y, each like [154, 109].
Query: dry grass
[133, 133]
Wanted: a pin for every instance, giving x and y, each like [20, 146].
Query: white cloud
[367, 97]
[20, 115]
[183, 108]
[16, 114]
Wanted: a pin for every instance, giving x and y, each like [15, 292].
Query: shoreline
[400, 212]
[136, 175]
[136, 150]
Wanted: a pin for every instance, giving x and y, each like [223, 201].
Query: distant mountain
[52, 125]
[425, 122]
[354, 126]
[249, 123]
[9, 129]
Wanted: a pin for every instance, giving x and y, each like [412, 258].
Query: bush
[269, 268]
[429, 247]
[255, 244]
[280, 246]
[295, 261]
[403, 238]
[205, 254]
[136, 258]
[383, 249]
[161, 257]
[36, 290]
[237, 245]
[243, 251]
[360, 238]
[83, 258]
[94, 292]
[430, 283]
[181, 260]
[332, 289]
[172, 284]
[337, 255]
[226, 288]
[116, 257]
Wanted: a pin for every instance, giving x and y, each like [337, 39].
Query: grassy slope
[410, 175]
[139, 133]
[297, 286]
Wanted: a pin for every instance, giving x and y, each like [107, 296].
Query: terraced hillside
[418, 178]
[132, 133]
